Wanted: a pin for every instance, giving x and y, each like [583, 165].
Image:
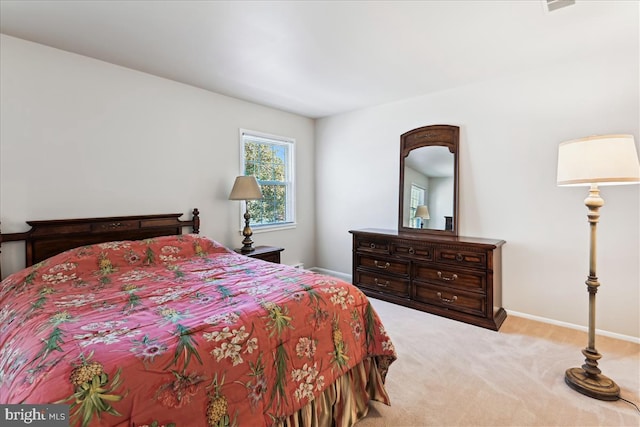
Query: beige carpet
[449, 373]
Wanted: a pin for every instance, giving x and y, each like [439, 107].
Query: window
[270, 159]
[417, 199]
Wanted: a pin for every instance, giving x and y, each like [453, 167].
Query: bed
[133, 323]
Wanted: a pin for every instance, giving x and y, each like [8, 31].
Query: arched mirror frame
[427, 136]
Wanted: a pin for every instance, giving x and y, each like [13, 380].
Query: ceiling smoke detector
[551, 5]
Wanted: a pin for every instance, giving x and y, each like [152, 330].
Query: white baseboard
[343, 276]
[601, 332]
[636, 340]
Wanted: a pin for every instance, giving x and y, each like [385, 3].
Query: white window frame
[290, 210]
[422, 192]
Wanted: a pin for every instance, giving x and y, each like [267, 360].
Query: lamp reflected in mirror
[422, 213]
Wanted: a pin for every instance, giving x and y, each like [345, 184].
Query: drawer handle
[451, 279]
[384, 285]
[412, 251]
[459, 257]
[447, 300]
[115, 225]
[372, 245]
[383, 266]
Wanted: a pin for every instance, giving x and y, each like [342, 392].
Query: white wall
[440, 201]
[83, 138]
[510, 128]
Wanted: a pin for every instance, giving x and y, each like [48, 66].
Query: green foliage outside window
[268, 163]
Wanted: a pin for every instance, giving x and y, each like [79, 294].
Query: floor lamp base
[596, 386]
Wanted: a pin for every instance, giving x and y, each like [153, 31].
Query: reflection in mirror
[429, 181]
[428, 188]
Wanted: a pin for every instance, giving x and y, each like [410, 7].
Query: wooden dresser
[455, 277]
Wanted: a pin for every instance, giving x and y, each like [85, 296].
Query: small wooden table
[265, 253]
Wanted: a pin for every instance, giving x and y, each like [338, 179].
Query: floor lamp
[593, 161]
[246, 188]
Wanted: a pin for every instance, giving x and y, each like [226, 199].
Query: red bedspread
[179, 330]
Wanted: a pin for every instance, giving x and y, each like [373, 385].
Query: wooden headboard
[49, 238]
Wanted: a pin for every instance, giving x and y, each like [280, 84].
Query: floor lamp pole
[588, 379]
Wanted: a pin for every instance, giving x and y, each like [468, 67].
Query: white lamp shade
[603, 160]
[245, 188]
[422, 212]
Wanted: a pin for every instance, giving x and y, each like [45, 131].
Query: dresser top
[429, 237]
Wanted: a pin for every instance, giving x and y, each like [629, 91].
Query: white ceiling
[319, 58]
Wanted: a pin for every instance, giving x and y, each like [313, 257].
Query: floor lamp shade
[603, 160]
[593, 161]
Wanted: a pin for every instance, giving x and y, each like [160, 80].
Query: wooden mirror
[429, 181]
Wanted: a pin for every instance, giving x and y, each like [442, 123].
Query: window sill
[267, 228]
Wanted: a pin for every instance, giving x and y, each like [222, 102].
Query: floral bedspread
[178, 330]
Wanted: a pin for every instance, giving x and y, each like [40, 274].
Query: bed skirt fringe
[346, 401]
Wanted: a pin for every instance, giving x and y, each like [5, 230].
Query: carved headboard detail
[49, 238]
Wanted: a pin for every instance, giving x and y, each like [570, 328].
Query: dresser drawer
[364, 244]
[382, 283]
[452, 299]
[412, 250]
[273, 257]
[450, 277]
[462, 258]
[384, 265]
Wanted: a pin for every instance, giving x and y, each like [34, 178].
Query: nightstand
[265, 253]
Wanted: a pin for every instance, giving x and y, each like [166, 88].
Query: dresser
[451, 276]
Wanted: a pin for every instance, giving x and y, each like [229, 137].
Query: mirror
[429, 180]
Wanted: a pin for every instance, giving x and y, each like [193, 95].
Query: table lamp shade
[602, 160]
[245, 188]
[422, 212]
